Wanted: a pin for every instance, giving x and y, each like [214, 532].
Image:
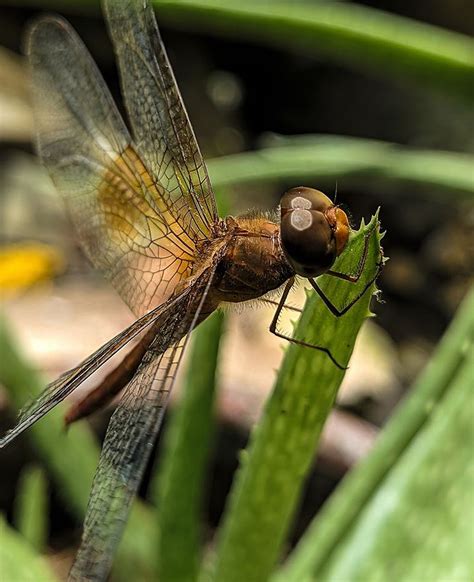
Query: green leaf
[18, 560]
[360, 36]
[272, 473]
[31, 507]
[334, 158]
[408, 507]
[388, 45]
[182, 472]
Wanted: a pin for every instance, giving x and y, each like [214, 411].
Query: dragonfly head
[313, 230]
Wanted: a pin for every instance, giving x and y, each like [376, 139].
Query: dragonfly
[145, 213]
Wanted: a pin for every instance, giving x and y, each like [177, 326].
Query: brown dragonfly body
[250, 263]
[253, 263]
[145, 214]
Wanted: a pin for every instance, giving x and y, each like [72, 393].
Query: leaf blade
[313, 553]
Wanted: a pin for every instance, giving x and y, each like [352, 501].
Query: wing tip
[43, 29]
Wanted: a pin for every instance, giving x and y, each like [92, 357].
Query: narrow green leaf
[415, 468]
[360, 36]
[18, 560]
[182, 473]
[272, 473]
[419, 522]
[31, 507]
[335, 158]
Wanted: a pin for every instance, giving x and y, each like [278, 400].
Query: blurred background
[384, 135]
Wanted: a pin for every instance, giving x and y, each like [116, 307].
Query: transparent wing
[130, 437]
[161, 127]
[123, 215]
[58, 390]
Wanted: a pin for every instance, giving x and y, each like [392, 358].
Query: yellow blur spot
[23, 265]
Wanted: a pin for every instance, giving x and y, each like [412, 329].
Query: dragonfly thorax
[253, 263]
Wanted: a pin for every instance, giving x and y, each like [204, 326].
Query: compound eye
[307, 241]
[304, 198]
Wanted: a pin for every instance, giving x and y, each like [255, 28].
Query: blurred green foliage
[357, 35]
[31, 507]
[71, 458]
[181, 478]
[343, 31]
[335, 157]
[19, 561]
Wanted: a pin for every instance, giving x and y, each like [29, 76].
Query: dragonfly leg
[281, 304]
[274, 330]
[354, 277]
[332, 308]
[277, 303]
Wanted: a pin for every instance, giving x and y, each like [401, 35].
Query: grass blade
[335, 158]
[360, 36]
[389, 45]
[19, 561]
[419, 522]
[182, 471]
[31, 507]
[446, 372]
